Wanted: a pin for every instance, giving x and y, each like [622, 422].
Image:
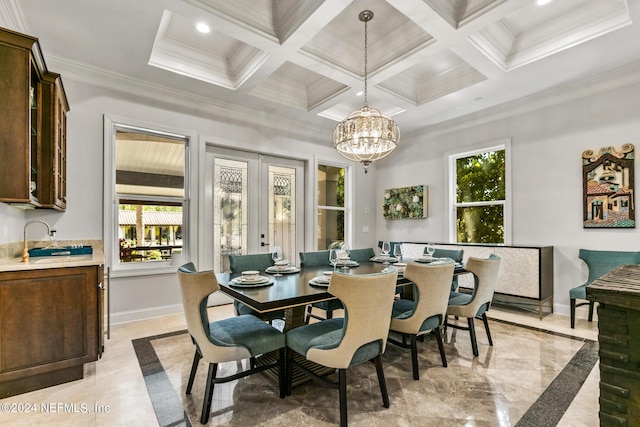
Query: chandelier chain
[365, 63]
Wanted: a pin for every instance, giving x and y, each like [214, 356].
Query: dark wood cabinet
[50, 326]
[33, 108]
[53, 171]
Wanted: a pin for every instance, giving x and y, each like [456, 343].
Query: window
[150, 195]
[478, 192]
[331, 207]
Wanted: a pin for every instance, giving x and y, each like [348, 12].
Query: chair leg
[414, 357]
[307, 313]
[208, 393]
[252, 362]
[342, 380]
[381, 381]
[329, 314]
[194, 368]
[573, 313]
[472, 333]
[289, 375]
[591, 303]
[441, 346]
[282, 373]
[486, 328]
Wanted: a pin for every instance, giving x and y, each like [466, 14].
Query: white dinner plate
[251, 283]
[320, 281]
[288, 269]
[384, 258]
[347, 263]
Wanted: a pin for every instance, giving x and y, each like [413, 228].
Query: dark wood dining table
[292, 292]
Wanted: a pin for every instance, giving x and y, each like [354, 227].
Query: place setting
[385, 257]
[322, 281]
[341, 258]
[251, 279]
[280, 265]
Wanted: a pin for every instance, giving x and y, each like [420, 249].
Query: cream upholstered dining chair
[233, 339]
[428, 311]
[343, 342]
[476, 304]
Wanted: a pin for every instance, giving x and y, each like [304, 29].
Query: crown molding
[83, 73]
[620, 77]
[11, 16]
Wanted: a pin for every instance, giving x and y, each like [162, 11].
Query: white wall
[136, 297]
[547, 147]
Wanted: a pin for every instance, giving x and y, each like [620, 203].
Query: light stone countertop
[41, 263]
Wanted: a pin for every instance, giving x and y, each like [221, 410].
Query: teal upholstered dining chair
[427, 312]
[361, 255]
[316, 259]
[344, 342]
[260, 262]
[227, 340]
[599, 263]
[312, 259]
[455, 254]
[476, 304]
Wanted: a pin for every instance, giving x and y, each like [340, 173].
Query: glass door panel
[282, 210]
[252, 202]
[230, 220]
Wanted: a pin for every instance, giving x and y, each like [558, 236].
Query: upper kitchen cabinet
[33, 110]
[53, 144]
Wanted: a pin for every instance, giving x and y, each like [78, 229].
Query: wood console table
[618, 296]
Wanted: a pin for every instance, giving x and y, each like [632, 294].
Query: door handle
[264, 244]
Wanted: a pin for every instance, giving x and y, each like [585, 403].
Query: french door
[253, 203]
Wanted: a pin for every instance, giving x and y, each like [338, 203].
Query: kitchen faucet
[25, 250]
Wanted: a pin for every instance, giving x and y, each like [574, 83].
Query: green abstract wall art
[405, 202]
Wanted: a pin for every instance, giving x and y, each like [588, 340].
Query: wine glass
[386, 248]
[333, 258]
[345, 256]
[430, 250]
[277, 257]
[397, 251]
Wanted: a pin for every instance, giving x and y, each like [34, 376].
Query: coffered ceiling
[429, 61]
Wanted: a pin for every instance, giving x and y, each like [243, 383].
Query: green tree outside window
[480, 196]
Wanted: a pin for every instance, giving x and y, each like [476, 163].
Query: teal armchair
[599, 263]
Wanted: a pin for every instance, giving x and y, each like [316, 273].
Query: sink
[60, 251]
[60, 258]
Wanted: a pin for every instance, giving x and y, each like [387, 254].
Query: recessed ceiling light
[359, 93]
[542, 2]
[202, 27]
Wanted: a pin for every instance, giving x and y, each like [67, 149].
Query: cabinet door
[53, 174]
[20, 124]
[48, 320]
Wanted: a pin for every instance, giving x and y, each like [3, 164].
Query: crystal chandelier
[366, 135]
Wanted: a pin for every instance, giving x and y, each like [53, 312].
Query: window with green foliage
[331, 206]
[480, 196]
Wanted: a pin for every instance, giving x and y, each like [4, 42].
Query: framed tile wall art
[608, 187]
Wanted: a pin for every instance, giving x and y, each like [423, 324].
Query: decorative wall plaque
[608, 188]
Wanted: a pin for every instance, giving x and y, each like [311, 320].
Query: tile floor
[529, 377]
